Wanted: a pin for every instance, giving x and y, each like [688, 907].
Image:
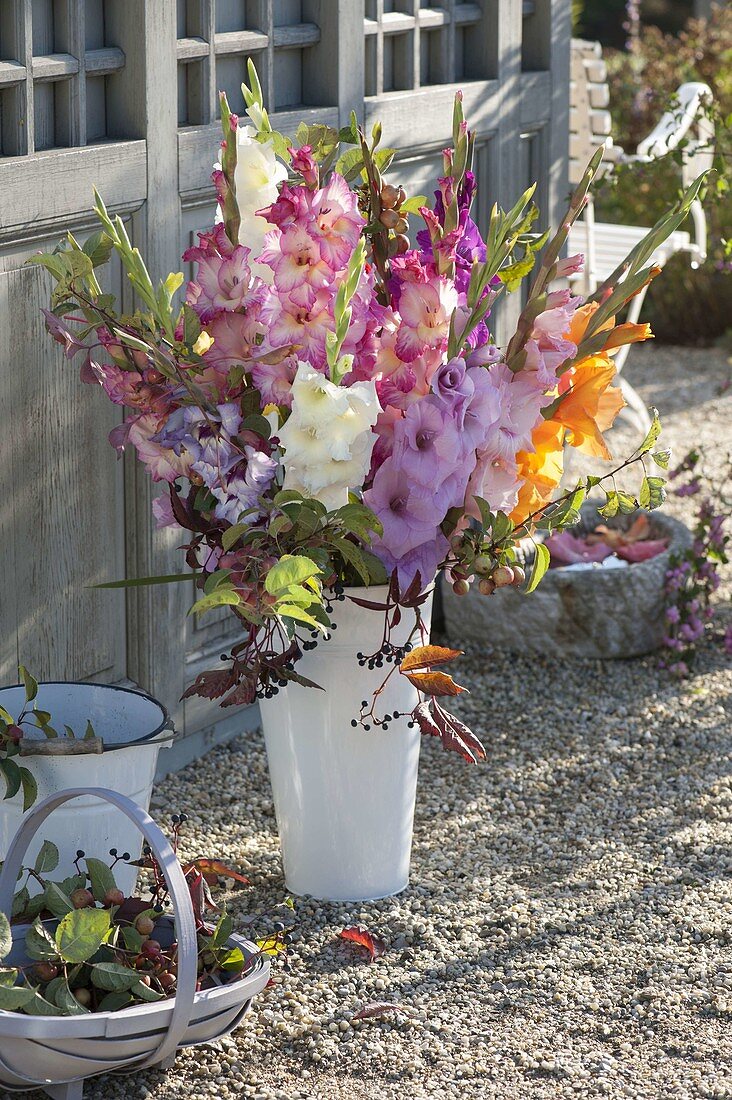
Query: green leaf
[290, 611]
[102, 879]
[653, 433]
[15, 997]
[30, 682]
[98, 248]
[377, 572]
[21, 902]
[413, 204]
[35, 906]
[8, 976]
[47, 858]
[113, 1002]
[67, 1002]
[56, 900]
[223, 930]
[352, 556]
[132, 938]
[652, 492]
[11, 772]
[627, 503]
[113, 977]
[145, 993]
[662, 459]
[290, 569]
[225, 596]
[39, 1006]
[136, 582]
[611, 505]
[7, 717]
[39, 943]
[234, 960]
[30, 788]
[6, 939]
[89, 732]
[81, 933]
[539, 567]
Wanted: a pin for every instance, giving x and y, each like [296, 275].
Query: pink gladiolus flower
[274, 380]
[162, 510]
[304, 164]
[294, 256]
[161, 463]
[570, 266]
[223, 280]
[425, 309]
[234, 340]
[337, 221]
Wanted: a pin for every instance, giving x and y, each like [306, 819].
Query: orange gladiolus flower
[541, 469]
[627, 333]
[591, 405]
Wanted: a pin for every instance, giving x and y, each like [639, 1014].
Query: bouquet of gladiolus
[328, 407]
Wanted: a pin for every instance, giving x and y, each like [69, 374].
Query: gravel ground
[568, 930]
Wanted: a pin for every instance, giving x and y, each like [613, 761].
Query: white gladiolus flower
[256, 178]
[328, 438]
[257, 173]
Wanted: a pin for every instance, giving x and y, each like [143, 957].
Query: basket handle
[185, 923]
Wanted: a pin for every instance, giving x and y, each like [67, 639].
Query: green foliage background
[683, 306]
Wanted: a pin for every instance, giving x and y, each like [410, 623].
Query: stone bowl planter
[57, 1053]
[597, 613]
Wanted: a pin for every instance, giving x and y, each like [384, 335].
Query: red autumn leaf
[210, 685]
[243, 694]
[212, 868]
[130, 910]
[427, 656]
[380, 1008]
[359, 934]
[642, 551]
[454, 734]
[434, 683]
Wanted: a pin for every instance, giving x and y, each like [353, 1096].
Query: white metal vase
[133, 727]
[344, 796]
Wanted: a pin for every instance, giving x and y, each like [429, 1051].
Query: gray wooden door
[122, 94]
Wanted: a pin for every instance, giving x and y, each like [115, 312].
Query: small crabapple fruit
[486, 586]
[113, 897]
[144, 925]
[389, 196]
[45, 971]
[81, 898]
[83, 996]
[483, 564]
[503, 576]
[519, 576]
[461, 588]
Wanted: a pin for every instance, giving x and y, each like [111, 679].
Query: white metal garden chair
[605, 245]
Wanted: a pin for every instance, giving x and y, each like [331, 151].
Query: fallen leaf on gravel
[359, 934]
[380, 1008]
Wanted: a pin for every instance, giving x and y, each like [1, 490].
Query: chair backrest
[589, 119]
[686, 121]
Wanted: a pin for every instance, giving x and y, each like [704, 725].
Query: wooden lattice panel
[54, 65]
[215, 39]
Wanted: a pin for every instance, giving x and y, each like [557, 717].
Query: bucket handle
[185, 923]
